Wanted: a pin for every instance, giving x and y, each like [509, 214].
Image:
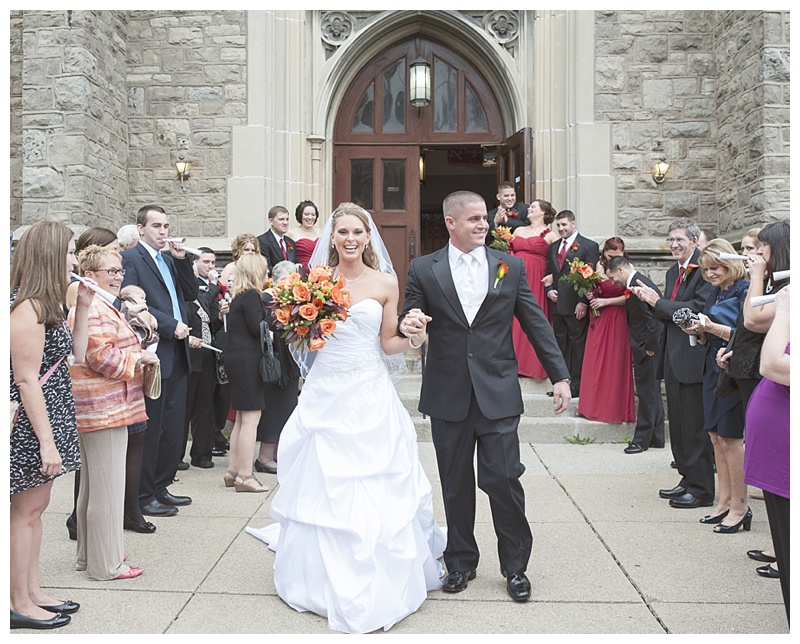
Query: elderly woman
[280, 398]
[243, 244]
[724, 416]
[44, 440]
[108, 398]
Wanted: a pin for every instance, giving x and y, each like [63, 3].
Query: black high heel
[72, 527]
[747, 519]
[714, 519]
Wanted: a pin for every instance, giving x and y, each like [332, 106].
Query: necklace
[350, 281]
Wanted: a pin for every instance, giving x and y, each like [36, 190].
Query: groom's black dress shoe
[633, 448]
[170, 499]
[21, 621]
[518, 586]
[689, 500]
[674, 493]
[158, 509]
[456, 581]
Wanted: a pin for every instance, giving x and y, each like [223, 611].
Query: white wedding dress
[355, 537]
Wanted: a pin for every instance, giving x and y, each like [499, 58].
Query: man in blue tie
[168, 282]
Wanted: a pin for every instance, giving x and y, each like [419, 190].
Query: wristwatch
[567, 380]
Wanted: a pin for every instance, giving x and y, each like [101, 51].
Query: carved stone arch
[466, 38]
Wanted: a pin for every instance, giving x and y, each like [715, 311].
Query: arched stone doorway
[381, 145]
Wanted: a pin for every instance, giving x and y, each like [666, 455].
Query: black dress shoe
[758, 555]
[157, 509]
[674, 493]
[689, 500]
[72, 527]
[633, 448]
[657, 445]
[56, 621]
[183, 465]
[218, 451]
[169, 499]
[143, 528]
[258, 466]
[456, 581]
[765, 571]
[204, 463]
[67, 608]
[673, 465]
[518, 586]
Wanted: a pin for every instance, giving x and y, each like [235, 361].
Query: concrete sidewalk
[609, 557]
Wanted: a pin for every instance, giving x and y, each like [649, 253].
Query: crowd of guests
[95, 320]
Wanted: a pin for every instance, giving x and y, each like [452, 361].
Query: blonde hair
[753, 234]
[369, 257]
[91, 257]
[710, 257]
[38, 269]
[251, 272]
[240, 241]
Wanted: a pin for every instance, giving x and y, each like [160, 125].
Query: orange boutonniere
[688, 271]
[502, 269]
[627, 293]
[574, 247]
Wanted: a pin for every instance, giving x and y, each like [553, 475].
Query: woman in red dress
[531, 243]
[607, 374]
[306, 235]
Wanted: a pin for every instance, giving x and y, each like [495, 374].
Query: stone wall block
[775, 64]
[80, 61]
[42, 183]
[220, 74]
[681, 205]
[72, 93]
[185, 36]
[213, 139]
[657, 94]
[653, 49]
[610, 74]
[67, 149]
[34, 146]
[689, 129]
[202, 94]
[168, 130]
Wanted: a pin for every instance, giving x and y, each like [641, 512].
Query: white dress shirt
[471, 278]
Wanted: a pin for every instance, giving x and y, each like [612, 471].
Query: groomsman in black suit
[205, 320]
[168, 282]
[645, 338]
[682, 369]
[509, 212]
[274, 243]
[567, 310]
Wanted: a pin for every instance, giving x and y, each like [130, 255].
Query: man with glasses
[682, 369]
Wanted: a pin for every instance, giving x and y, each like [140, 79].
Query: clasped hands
[415, 326]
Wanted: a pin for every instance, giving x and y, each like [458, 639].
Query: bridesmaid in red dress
[607, 374]
[307, 234]
[531, 243]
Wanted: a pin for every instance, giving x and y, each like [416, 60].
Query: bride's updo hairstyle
[369, 257]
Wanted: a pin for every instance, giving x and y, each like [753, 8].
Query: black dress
[280, 398]
[243, 353]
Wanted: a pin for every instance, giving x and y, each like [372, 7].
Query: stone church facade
[104, 102]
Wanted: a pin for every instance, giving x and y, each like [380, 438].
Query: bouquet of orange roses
[502, 235]
[307, 306]
[583, 278]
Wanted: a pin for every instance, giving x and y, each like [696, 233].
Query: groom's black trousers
[499, 469]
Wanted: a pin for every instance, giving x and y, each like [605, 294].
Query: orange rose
[337, 295]
[315, 343]
[308, 312]
[327, 326]
[283, 315]
[318, 274]
[301, 293]
[292, 279]
[586, 271]
[301, 330]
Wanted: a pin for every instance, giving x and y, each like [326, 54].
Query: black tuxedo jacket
[480, 356]
[685, 362]
[646, 331]
[272, 250]
[208, 298]
[141, 270]
[521, 209]
[588, 252]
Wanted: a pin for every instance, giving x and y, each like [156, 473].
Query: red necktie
[283, 249]
[562, 254]
[678, 282]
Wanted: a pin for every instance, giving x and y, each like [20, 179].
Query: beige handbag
[152, 380]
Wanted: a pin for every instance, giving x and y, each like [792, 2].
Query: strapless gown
[532, 251]
[355, 538]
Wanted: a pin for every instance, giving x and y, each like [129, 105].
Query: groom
[470, 387]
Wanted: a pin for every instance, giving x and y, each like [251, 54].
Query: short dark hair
[275, 211]
[566, 214]
[547, 208]
[95, 236]
[205, 249]
[505, 185]
[298, 213]
[141, 215]
[617, 262]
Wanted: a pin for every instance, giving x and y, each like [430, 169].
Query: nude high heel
[250, 484]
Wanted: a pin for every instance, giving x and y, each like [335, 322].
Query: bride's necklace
[350, 281]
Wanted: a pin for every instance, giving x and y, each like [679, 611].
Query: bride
[355, 537]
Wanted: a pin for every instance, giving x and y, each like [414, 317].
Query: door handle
[412, 246]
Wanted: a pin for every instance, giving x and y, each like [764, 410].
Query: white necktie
[472, 298]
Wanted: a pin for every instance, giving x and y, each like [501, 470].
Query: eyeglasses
[677, 240]
[112, 272]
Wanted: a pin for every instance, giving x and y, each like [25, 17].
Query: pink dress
[532, 251]
[305, 247]
[607, 373]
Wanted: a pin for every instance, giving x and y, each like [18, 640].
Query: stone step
[536, 405]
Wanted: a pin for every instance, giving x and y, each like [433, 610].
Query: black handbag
[270, 366]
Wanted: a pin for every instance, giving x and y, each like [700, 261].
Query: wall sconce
[419, 81]
[660, 171]
[183, 167]
[422, 166]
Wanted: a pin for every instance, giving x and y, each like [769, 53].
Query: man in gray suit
[470, 387]
[682, 369]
